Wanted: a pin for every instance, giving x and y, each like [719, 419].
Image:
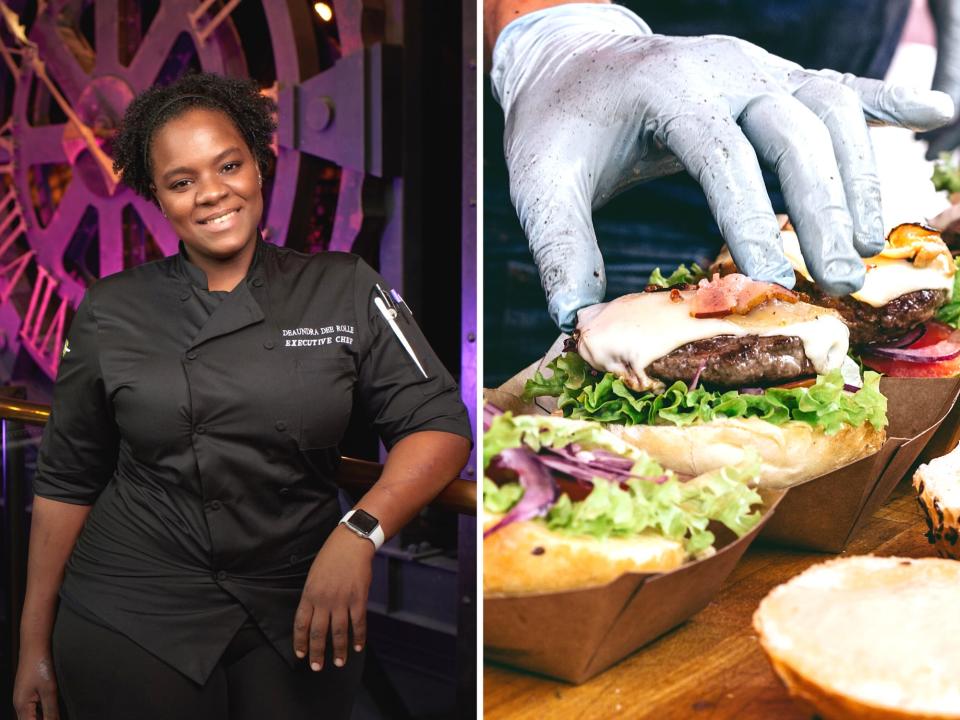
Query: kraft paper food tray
[578, 634]
[823, 513]
[826, 512]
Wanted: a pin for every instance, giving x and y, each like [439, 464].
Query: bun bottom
[790, 454]
[526, 558]
[867, 637]
[822, 702]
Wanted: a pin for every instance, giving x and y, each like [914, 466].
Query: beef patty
[729, 361]
[870, 324]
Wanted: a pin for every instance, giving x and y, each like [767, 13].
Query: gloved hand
[595, 103]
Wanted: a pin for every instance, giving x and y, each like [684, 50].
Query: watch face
[363, 521]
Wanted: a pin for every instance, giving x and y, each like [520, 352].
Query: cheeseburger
[694, 375]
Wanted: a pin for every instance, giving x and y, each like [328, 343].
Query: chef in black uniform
[185, 507]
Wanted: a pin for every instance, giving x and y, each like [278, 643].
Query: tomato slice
[935, 332]
[899, 368]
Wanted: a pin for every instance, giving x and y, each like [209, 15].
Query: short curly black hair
[240, 99]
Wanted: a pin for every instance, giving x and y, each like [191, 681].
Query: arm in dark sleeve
[398, 399]
[78, 453]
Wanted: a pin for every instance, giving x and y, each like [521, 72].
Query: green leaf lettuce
[681, 276]
[677, 510]
[946, 174]
[950, 312]
[587, 394]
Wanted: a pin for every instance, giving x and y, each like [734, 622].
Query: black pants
[102, 675]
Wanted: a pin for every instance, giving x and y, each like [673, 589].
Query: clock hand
[31, 53]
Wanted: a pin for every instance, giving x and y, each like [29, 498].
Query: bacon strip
[735, 294]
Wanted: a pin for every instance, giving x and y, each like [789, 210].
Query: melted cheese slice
[626, 335]
[886, 279]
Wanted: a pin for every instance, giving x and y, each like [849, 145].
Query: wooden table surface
[712, 667]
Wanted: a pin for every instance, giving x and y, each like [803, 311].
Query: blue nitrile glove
[594, 103]
[946, 77]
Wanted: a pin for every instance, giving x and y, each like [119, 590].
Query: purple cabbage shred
[539, 488]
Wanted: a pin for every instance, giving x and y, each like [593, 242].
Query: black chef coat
[203, 427]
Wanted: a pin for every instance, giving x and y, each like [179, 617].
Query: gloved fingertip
[781, 274]
[921, 109]
[868, 245]
[787, 279]
[942, 104]
[869, 240]
[842, 277]
[563, 307]
[566, 320]
[566, 324]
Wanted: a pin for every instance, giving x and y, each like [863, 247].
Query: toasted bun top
[526, 558]
[627, 334]
[880, 632]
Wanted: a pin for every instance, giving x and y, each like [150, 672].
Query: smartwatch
[365, 525]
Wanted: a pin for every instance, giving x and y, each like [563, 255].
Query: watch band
[375, 536]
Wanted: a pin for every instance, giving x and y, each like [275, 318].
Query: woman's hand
[334, 599]
[335, 594]
[35, 688]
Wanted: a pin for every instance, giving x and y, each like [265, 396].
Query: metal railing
[460, 496]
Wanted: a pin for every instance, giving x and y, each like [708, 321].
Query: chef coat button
[215, 505]
[268, 344]
[185, 296]
[192, 355]
[201, 429]
[257, 282]
[284, 492]
[222, 575]
[293, 559]
[280, 425]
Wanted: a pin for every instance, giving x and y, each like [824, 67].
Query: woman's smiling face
[206, 180]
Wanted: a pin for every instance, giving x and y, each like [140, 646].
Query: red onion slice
[696, 378]
[490, 411]
[539, 489]
[943, 350]
[903, 341]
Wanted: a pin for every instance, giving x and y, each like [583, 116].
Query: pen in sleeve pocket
[396, 296]
[392, 309]
[381, 306]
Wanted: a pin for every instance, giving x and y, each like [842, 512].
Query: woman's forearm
[55, 527]
[417, 469]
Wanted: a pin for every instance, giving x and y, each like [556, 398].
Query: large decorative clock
[76, 64]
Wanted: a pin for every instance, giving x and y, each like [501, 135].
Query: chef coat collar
[198, 277]
[238, 309]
